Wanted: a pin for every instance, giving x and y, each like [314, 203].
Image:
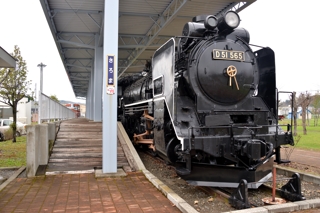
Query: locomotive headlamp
[210, 22]
[228, 22]
[232, 19]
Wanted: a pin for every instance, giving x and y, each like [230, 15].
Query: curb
[303, 176]
[184, 207]
[169, 193]
[180, 203]
[14, 176]
[286, 207]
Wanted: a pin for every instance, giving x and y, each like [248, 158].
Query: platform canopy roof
[144, 25]
[6, 60]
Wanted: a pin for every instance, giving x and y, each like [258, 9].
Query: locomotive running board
[253, 185]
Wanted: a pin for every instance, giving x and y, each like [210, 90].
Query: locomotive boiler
[207, 103]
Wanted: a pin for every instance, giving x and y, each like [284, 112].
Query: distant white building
[284, 110]
[82, 110]
[23, 111]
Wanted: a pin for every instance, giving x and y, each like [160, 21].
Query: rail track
[242, 197]
[255, 196]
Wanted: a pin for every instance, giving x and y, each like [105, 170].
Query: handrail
[49, 109]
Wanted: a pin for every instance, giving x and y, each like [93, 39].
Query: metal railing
[49, 109]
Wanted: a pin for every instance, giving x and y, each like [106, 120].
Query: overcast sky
[23, 23]
[288, 27]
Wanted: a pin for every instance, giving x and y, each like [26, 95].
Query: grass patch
[309, 141]
[13, 154]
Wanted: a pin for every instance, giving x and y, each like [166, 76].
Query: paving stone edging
[303, 176]
[169, 193]
[12, 177]
[180, 203]
[184, 207]
[286, 207]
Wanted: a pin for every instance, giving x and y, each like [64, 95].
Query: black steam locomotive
[208, 104]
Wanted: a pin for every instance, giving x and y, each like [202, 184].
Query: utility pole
[41, 65]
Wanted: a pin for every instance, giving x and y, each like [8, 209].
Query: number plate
[228, 55]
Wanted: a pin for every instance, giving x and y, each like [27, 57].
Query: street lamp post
[41, 65]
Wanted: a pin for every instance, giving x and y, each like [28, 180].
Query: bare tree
[316, 107]
[304, 101]
[294, 113]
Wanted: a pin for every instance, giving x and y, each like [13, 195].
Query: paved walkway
[83, 193]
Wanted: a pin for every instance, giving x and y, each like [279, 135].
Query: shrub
[8, 134]
[12, 125]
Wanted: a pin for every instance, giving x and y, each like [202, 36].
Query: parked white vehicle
[21, 127]
[5, 125]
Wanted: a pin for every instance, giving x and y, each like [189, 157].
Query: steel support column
[88, 100]
[110, 49]
[97, 85]
[92, 94]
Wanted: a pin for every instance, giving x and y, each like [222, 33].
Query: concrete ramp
[78, 148]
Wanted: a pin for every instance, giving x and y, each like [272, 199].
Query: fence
[51, 110]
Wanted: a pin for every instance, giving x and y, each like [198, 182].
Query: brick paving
[83, 193]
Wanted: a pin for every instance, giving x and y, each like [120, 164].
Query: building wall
[24, 111]
[23, 114]
[284, 110]
[5, 111]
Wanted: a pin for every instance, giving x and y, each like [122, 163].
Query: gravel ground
[201, 201]
[5, 173]
[205, 203]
